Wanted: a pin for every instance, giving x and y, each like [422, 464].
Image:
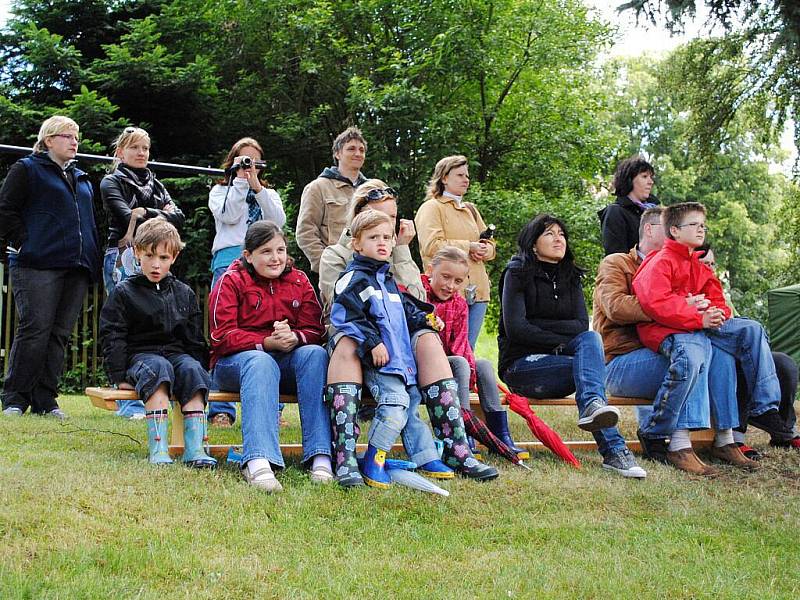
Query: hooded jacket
[243, 308]
[47, 215]
[616, 310]
[369, 308]
[619, 223]
[324, 212]
[662, 283]
[334, 260]
[539, 312]
[142, 316]
[454, 313]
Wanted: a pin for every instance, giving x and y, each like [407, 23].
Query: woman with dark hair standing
[546, 348]
[47, 221]
[132, 195]
[633, 182]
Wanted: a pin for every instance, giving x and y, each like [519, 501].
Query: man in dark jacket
[151, 329]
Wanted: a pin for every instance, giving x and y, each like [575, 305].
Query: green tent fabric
[784, 320]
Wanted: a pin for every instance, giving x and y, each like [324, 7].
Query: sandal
[221, 420]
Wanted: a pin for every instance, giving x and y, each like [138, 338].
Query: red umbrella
[478, 429]
[519, 404]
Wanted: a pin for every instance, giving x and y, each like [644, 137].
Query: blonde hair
[450, 254]
[128, 137]
[440, 171]
[154, 232]
[369, 219]
[53, 126]
[359, 201]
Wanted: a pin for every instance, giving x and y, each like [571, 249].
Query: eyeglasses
[698, 226]
[67, 136]
[377, 194]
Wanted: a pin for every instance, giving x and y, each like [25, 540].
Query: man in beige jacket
[325, 203]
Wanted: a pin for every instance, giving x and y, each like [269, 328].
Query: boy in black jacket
[152, 336]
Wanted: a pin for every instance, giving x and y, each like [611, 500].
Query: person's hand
[169, 207]
[439, 323]
[713, 318]
[380, 355]
[699, 301]
[125, 386]
[708, 258]
[406, 232]
[281, 341]
[249, 173]
[478, 250]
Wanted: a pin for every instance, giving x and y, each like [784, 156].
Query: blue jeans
[712, 396]
[48, 303]
[580, 369]
[677, 383]
[184, 375]
[260, 377]
[398, 402]
[746, 341]
[477, 312]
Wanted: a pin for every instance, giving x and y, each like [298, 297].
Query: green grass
[84, 516]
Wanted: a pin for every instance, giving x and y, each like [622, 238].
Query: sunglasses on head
[377, 194]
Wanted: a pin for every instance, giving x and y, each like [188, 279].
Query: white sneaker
[623, 463]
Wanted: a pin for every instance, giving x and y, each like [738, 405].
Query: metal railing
[160, 167]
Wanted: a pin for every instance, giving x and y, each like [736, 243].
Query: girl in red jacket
[266, 324]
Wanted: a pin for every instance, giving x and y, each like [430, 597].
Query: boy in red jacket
[685, 300]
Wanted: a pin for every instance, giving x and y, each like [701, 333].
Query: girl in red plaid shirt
[443, 280]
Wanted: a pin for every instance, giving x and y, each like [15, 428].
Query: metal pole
[161, 167]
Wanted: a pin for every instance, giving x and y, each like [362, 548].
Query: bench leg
[176, 430]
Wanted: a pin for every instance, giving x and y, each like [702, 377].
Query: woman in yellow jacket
[444, 219]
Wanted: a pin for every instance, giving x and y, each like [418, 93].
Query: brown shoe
[687, 460]
[733, 456]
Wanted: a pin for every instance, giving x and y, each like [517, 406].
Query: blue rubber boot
[157, 443]
[194, 437]
[497, 422]
[436, 469]
[373, 470]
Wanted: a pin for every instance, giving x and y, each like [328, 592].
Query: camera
[488, 234]
[248, 162]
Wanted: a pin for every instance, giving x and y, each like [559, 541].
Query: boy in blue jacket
[369, 308]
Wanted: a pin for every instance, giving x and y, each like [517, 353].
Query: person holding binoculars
[239, 199]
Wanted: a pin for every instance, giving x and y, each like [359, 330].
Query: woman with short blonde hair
[47, 220]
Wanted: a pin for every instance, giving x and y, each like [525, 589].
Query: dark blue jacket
[47, 214]
[369, 308]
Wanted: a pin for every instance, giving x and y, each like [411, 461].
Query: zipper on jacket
[74, 190]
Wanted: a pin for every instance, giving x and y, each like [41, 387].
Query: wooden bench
[106, 398]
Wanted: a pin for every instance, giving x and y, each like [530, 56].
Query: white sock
[679, 440]
[321, 460]
[254, 464]
[724, 437]
[738, 437]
